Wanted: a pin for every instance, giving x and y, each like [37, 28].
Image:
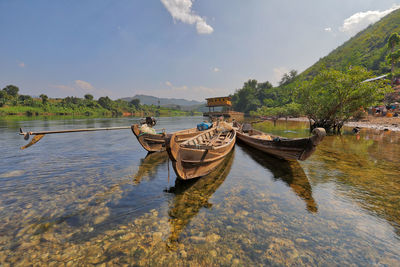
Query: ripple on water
[102, 200]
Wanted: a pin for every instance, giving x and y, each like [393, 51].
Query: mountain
[152, 100]
[367, 49]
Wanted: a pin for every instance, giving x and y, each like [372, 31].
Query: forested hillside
[367, 49]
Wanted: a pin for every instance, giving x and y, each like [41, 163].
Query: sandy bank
[371, 122]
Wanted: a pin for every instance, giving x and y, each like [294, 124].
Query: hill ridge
[367, 49]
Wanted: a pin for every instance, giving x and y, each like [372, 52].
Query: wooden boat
[201, 154]
[156, 142]
[193, 195]
[280, 147]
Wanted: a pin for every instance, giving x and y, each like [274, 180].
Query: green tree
[135, 102]
[245, 99]
[288, 77]
[44, 98]
[106, 102]
[89, 97]
[25, 100]
[11, 90]
[3, 97]
[394, 55]
[332, 97]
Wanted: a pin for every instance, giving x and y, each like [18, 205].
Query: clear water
[95, 198]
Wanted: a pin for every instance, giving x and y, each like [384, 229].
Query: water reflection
[290, 172]
[148, 165]
[95, 199]
[364, 170]
[192, 195]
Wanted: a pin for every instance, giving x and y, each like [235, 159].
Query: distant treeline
[263, 99]
[13, 103]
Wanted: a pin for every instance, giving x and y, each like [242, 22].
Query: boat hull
[289, 149]
[156, 142]
[189, 163]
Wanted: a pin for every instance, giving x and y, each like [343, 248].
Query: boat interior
[247, 129]
[209, 139]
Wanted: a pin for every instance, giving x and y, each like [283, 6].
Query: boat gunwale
[182, 145]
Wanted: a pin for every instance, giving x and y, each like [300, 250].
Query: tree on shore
[288, 77]
[135, 102]
[11, 90]
[3, 97]
[394, 55]
[44, 98]
[332, 97]
[89, 97]
[106, 102]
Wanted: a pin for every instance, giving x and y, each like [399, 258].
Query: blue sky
[169, 48]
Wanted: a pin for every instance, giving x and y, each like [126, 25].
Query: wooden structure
[223, 101]
[200, 155]
[156, 142]
[280, 147]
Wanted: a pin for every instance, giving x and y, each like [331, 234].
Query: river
[98, 198]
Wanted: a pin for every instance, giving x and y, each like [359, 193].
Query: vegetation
[332, 91]
[11, 103]
[394, 55]
[367, 49]
[254, 95]
[328, 100]
[333, 97]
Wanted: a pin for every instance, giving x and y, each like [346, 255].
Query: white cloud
[176, 89]
[21, 64]
[181, 10]
[80, 88]
[361, 20]
[278, 73]
[216, 69]
[328, 29]
[84, 85]
[65, 88]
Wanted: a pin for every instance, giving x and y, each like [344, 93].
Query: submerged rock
[213, 238]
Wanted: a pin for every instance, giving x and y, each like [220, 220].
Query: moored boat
[200, 155]
[191, 196]
[155, 142]
[280, 147]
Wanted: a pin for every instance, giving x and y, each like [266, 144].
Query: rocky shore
[378, 123]
[371, 122]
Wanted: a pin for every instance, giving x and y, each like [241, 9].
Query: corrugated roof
[374, 79]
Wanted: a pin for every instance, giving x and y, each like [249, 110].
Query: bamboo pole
[74, 130]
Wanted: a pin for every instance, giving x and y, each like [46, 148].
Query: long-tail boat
[201, 154]
[156, 142]
[150, 142]
[193, 195]
[280, 147]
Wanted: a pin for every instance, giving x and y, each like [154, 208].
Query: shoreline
[370, 122]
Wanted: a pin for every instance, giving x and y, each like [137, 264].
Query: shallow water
[94, 198]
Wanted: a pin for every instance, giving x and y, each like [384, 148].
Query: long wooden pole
[40, 135]
[74, 130]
